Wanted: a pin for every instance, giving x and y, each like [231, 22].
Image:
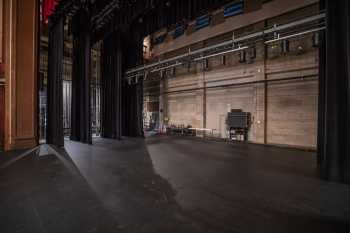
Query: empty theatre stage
[169, 184]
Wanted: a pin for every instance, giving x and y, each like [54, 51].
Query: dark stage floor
[167, 184]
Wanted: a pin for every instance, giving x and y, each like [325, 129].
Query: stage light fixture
[300, 50]
[223, 60]
[252, 53]
[242, 56]
[285, 47]
[316, 40]
[205, 64]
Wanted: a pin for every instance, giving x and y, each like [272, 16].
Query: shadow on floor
[167, 184]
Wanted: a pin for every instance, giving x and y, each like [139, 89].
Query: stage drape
[334, 108]
[133, 24]
[132, 94]
[81, 118]
[132, 119]
[54, 85]
[122, 102]
[112, 75]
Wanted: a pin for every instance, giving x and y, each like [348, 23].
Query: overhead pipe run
[295, 35]
[197, 55]
[221, 53]
[167, 67]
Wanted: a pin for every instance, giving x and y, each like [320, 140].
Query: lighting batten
[167, 67]
[295, 35]
[221, 53]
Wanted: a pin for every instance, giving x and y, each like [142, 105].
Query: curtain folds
[132, 93]
[81, 117]
[334, 92]
[54, 87]
[122, 103]
[132, 119]
[112, 75]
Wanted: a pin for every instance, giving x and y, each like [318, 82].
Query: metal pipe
[230, 42]
[221, 53]
[295, 35]
[167, 67]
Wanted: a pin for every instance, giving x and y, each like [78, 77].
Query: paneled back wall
[279, 89]
[289, 108]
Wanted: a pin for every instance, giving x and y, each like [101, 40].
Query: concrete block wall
[283, 112]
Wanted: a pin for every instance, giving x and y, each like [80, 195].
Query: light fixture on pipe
[242, 56]
[221, 53]
[316, 40]
[188, 66]
[295, 35]
[167, 67]
[223, 60]
[230, 42]
[252, 53]
[285, 46]
[205, 64]
[172, 71]
[146, 75]
[162, 74]
[300, 49]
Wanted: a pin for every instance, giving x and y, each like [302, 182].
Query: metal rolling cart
[238, 124]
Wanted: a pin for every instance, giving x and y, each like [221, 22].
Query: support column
[81, 116]
[20, 64]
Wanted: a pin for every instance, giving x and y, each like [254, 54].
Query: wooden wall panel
[221, 101]
[20, 59]
[1, 29]
[184, 109]
[2, 116]
[26, 60]
[292, 113]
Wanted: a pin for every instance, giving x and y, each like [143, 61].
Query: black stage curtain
[334, 108]
[81, 118]
[54, 86]
[122, 103]
[132, 119]
[112, 75]
[132, 94]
